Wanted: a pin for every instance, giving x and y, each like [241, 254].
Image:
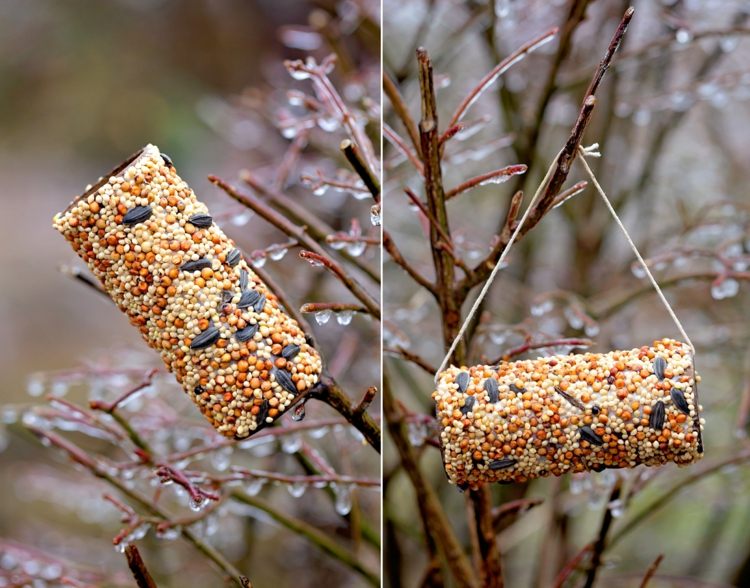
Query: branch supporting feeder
[183, 283]
[521, 420]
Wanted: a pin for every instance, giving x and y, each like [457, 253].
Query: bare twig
[651, 570]
[140, 573]
[355, 159]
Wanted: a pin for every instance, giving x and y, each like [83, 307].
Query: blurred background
[82, 86]
[671, 118]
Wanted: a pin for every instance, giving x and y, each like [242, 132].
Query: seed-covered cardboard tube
[569, 413]
[159, 255]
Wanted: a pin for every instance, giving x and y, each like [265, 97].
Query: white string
[592, 152]
[497, 267]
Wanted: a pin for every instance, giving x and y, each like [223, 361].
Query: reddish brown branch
[390, 246]
[355, 159]
[651, 570]
[486, 178]
[401, 110]
[321, 259]
[137, 566]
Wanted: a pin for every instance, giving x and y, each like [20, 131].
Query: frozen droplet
[320, 189]
[259, 261]
[254, 486]
[642, 117]
[299, 74]
[140, 532]
[683, 36]
[291, 443]
[498, 337]
[343, 501]
[375, 217]
[617, 508]
[289, 132]
[591, 329]
[724, 288]
[197, 503]
[51, 571]
[121, 546]
[681, 101]
[729, 43]
[417, 434]
[337, 245]
[542, 308]
[344, 317]
[356, 248]
[168, 533]
[318, 433]
[222, 459]
[574, 318]
[322, 316]
[35, 385]
[241, 219]
[8, 415]
[638, 271]
[278, 254]
[295, 98]
[328, 124]
[297, 489]
[299, 412]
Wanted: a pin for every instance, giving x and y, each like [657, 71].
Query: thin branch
[79, 456]
[497, 71]
[109, 407]
[651, 570]
[390, 246]
[316, 227]
[140, 573]
[321, 259]
[311, 307]
[601, 540]
[401, 110]
[399, 144]
[316, 537]
[496, 176]
[412, 357]
[569, 151]
[355, 159]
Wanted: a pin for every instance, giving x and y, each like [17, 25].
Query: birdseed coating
[569, 413]
[157, 252]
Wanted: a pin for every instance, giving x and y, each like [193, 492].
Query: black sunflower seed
[195, 265]
[462, 379]
[233, 257]
[490, 385]
[659, 366]
[571, 399]
[260, 303]
[290, 351]
[167, 160]
[588, 434]
[248, 298]
[201, 220]
[502, 464]
[679, 400]
[199, 390]
[595, 410]
[244, 278]
[260, 418]
[516, 389]
[137, 214]
[468, 405]
[206, 338]
[247, 333]
[285, 380]
[656, 418]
